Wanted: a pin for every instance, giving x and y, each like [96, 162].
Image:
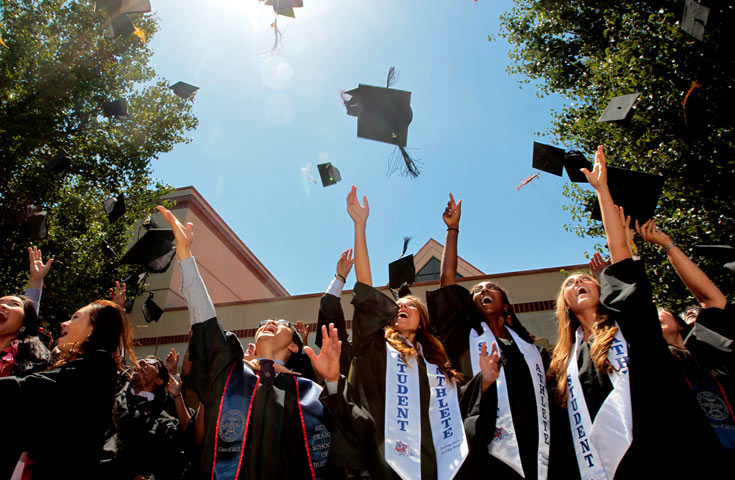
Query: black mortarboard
[123, 6]
[285, 7]
[155, 250]
[720, 253]
[59, 164]
[402, 272]
[115, 207]
[694, 19]
[555, 160]
[618, 108]
[636, 192]
[183, 90]
[107, 250]
[329, 174]
[116, 108]
[383, 114]
[121, 25]
[151, 311]
[34, 226]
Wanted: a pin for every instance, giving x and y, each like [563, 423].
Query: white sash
[504, 445]
[600, 445]
[403, 419]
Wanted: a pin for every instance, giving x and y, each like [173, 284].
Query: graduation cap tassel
[406, 241]
[695, 84]
[393, 76]
[527, 180]
[411, 168]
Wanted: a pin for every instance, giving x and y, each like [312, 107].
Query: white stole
[504, 445]
[600, 445]
[403, 419]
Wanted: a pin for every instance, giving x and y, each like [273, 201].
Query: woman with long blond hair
[399, 415]
[628, 409]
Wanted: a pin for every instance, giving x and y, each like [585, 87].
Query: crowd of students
[454, 387]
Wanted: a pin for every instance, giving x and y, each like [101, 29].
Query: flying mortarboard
[59, 164]
[694, 19]
[285, 7]
[120, 25]
[155, 250]
[329, 174]
[183, 90]
[151, 311]
[619, 108]
[116, 108]
[720, 253]
[383, 114]
[113, 7]
[555, 160]
[402, 273]
[636, 192]
[34, 226]
[114, 207]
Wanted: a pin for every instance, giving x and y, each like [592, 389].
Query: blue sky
[263, 117]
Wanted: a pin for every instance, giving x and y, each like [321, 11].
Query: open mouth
[487, 300]
[402, 315]
[581, 291]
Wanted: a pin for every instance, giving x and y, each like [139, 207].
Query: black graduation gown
[359, 406]
[330, 311]
[671, 437]
[453, 316]
[60, 416]
[274, 447]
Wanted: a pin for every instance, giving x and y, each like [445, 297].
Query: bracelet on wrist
[337, 275]
[455, 229]
[668, 247]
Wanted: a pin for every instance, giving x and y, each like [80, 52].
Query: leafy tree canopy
[58, 64]
[593, 50]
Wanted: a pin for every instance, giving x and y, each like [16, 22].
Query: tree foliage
[591, 51]
[58, 65]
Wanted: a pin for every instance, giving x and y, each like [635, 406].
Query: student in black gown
[330, 310]
[262, 420]
[629, 411]
[707, 357]
[463, 319]
[386, 433]
[59, 417]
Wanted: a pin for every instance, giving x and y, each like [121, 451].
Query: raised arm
[37, 272]
[693, 277]
[614, 230]
[449, 255]
[359, 214]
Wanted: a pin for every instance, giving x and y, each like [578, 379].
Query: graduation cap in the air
[285, 7]
[619, 108]
[59, 164]
[114, 7]
[694, 19]
[34, 225]
[720, 253]
[383, 114]
[636, 192]
[115, 207]
[116, 108]
[402, 273]
[120, 25]
[555, 160]
[155, 250]
[329, 174]
[184, 90]
[151, 311]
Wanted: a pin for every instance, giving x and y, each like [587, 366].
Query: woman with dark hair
[21, 351]
[399, 415]
[629, 411]
[59, 417]
[464, 320]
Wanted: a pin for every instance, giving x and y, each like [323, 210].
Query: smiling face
[581, 292]
[145, 375]
[408, 318]
[488, 299]
[277, 333]
[12, 315]
[75, 330]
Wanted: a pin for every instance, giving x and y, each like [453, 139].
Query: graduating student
[401, 400]
[262, 420]
[629, 411]
[464, 321]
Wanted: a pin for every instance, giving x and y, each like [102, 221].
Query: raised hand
[174, 384]
[172, 361]
[326, 363]
[250, 353]
[118, 294]
[358, 213]
[625, 222]
[650, 233]
[489, 365]
[302, 330]
[345, 263]
[184, 234]
[598, 176]
[38, 270]
[597, 265]
[452, 213]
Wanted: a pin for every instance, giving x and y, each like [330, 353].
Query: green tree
[57, 67]
[591, 51]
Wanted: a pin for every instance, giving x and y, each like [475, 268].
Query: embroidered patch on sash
[232, 425]
[713, 406]
[403, 449]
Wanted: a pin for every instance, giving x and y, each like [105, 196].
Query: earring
[22, 329]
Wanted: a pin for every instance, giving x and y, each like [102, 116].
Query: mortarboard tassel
[695, 84]
[411, 168]
[393, 76]
[527, 180]
[406, 241]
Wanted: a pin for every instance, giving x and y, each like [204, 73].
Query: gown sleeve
[373, 312]
[480, 411]
[711, 340]
[330, 311]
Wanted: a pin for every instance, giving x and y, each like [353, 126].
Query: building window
[431, 271]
